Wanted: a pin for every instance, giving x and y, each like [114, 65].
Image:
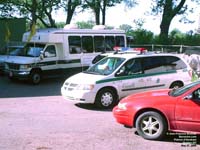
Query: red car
[153, 113]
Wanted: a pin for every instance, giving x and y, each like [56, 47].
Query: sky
[119, 15]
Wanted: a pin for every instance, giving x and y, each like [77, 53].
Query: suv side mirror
[188, 97]
[120, 72]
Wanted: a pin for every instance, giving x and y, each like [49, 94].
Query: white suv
[121, 74]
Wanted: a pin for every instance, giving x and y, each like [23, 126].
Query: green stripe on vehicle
[133, 76]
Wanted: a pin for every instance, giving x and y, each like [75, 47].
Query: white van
[55, 52]
[121, 74]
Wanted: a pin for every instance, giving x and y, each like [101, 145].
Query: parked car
[2, 59]
[13, 50]
[153, 113]
[124, 73]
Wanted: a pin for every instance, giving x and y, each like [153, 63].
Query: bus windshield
[32, 50]
[106, 66]
[15, 51]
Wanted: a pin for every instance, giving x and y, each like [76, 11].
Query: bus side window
[87, 44]
[74, 44]
[109, 43]
[99, 44]
[50, 51]
[120, 41]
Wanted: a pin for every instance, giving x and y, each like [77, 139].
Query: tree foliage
[99, 7]
[33, 10]
[70, 7]
[85, 25]
[40, 12]
[169, 9]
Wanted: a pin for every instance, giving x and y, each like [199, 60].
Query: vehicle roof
[77, 31]
[128, 55]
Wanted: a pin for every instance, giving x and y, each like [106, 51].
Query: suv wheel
[106, 98]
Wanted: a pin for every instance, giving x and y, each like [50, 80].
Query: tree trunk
[71, 7]
[169, 12]
[69, 16]
[104, 12]
[69, 12]
[33, 14]
[97, 10]
[164, 30]
[97, 18]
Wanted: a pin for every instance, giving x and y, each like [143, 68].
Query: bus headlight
[24, 66]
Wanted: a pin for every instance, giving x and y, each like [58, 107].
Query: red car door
[187, 112]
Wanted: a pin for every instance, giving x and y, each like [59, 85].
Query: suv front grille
[13, 66]
[70, 86]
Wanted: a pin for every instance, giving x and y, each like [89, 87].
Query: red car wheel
[151, 125]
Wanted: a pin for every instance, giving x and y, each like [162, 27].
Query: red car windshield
[182, 90]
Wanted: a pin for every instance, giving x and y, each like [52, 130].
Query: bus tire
[35, 77]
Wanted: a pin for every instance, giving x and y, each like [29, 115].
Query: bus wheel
[106, 98]
[35, 77]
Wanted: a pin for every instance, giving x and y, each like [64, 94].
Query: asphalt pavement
[36, 117]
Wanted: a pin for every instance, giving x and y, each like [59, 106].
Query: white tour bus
[53, 52]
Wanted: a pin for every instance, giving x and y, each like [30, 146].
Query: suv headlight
[24, 66]
[87, 87]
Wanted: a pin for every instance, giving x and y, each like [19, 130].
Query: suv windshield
[182, 90]
[106, 66]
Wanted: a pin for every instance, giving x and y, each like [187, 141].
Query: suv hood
[21, 60]
[3, 58]
[84, 78]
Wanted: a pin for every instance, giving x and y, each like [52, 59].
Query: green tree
[70, 7]
[127, 28]
[191, 39]
[169, 9]
[85, 25]
[95, 6]
[176, 37]
[33, 10]
[99, 7]
[142, 36]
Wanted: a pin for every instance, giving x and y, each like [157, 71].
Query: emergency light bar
[140, 50]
